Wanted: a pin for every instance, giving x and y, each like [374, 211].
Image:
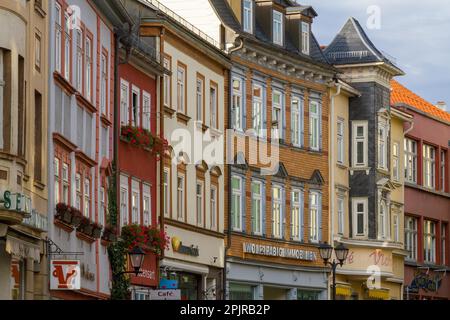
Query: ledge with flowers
[144, 139]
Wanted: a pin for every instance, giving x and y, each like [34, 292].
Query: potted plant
[86, 226]
[109, 234]
[63, 213]
[77, 216]
[96, 230]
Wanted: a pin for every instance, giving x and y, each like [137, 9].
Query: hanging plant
[148, 238]
[145, 139]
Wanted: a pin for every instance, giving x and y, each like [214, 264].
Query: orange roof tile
[401, 94]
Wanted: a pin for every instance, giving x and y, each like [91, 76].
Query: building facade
[427, 199]
[23, 150]
[375, 198]
[80, 141]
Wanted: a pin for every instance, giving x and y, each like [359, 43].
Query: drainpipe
[332, 160]
[117, 39]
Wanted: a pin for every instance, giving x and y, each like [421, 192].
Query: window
[411, 237]
[146, 110]
[237, 104]
[257, 207]
[88, 75]
[199, 202]
[257, 110]
[181, 83]
[277, 28]
[248, 16]
[443, 244]
[180, 197]
[411, 160]
[167, 80]
[213, 106]
[305, 38]
[213, 209]
[67, 47]
[277, 115]
[277, 214]
[360, 148]
[382, 146]
[124, 102]
[340, 141]
[297, 215]
[341, 215]
[382, 220]
[87, 197]
[236, 203]
[124, 205]
[146, 203]
[57, 180]
[78, 198]
[429, 169]
[200, 98]
[314, 216]
[360, 217]
[58, 37]
[396, 228]
[443, 170]
[297, 122]
[65, 183]
[243, 292]
[104, 83]
[315, 125]
[79, 60]
[429, 241]
[166, 193]
[102, 215]
[396, 161]
[37, 52]
[38, 130]
[135, 207]
[136, 111]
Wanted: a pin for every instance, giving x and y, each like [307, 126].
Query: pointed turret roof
[353, 46]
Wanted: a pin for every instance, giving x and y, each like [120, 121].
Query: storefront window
[189, 285]
[241, 292]
[307, 295]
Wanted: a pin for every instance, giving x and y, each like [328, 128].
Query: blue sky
[416, 33]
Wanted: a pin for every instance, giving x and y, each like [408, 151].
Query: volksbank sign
[273, 251]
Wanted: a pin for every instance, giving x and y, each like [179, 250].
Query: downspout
[161, 133]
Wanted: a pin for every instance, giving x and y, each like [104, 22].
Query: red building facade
[427, 197]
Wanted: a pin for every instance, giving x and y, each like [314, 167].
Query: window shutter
[263, 205]
[243, 206]
[320, 216]
[283, 213]
[302, 212]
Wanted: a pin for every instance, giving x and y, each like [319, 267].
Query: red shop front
[147, 280]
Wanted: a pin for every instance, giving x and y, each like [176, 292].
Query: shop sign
[425, 281]
[168, 284]
[273, 251]
[148, 276]
[178, 247]
[65, 275]
[15, 202]
[165, 294]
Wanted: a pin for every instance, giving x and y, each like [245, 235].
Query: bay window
[382, 220]
[257, 207]
[297, 215]
[297, 122]
[411, 224]
[277, 212]
[382, 145]
[237, 105]
[360, 147]
[410, 160]
[429, 241]
[277, 27]
[237, 203]
[429, 169]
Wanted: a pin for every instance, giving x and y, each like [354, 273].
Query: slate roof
[401, 94]
[352, 45]
[225, 13]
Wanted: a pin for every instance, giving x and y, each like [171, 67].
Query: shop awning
[343, 290]
[380, 294]
[22, 249]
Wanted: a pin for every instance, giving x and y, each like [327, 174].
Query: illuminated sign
[272, 251]
[178, 247]
[65, 275]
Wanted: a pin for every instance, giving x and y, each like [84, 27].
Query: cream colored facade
[23, 145]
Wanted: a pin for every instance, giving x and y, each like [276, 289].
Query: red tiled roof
[401, 94]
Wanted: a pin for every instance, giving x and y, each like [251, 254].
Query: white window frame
[79, 60]
[429, 166]
[88, 75]
[411, 237]
[396, 223]
[167, 83]
[124, 102]
[258, 111]
[147, 205]
[411, 154]
[199, 89]
[357, 139]
[429, 235]
[199, 201]
[237, 105]
[104, 83]
[181, 196]
[340, 141]
[58, 38]
[305, 34]
[213, 208]
[87, 197]
[57, 179]
[213, 105]
[314, 211]
[124, 212]
[78, 195]
[237, 196]
[315, 119]
[181, 99]
[382, 220]
[166, 184]
[277, 111]
[442, 170]
[277, 27]
[247, 19]
[396, 161]
[296, 215]
[382, 136]
[297, 117]
[103, 206]
[135, 205]
[355, 214]
[146, 110]
[341, 214]
[67, 47]
[257, 217]
[65, 183]
[277, 212]
[136, 110]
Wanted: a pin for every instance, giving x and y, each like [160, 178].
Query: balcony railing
[183, 22]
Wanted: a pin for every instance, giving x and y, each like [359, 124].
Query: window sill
[181, 117]
[215, 132]
[39, 185]
[85, 103]
[169, 111]
[354, 169]
[105, 121]
[58, 138]
[63, 83]
[341, 166]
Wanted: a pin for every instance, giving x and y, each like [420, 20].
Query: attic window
[248, 16]
[277, 27]
[305, 38]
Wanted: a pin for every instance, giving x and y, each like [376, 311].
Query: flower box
[97, 230]
[86, 226]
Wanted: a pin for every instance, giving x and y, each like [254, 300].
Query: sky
[416, 33]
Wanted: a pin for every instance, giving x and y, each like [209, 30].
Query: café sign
[65, 275]
[165, 294]
[273, 251]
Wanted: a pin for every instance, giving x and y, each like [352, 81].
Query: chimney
[441, 105]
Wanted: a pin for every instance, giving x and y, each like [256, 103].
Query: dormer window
[277, 28]
[248, 16]
[305, 38]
